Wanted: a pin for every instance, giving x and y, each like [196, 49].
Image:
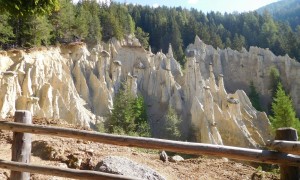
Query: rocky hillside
[78, 84]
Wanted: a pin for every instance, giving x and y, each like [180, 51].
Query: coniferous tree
[142, 36]
[284, 114]
[171, 125]
[110, 24]
[6, 30]
[129, 114]
[26, 11]
[35, 31]
[254, 97]
[274, 80]
[63, 22]
[81, 22]
[92, 9]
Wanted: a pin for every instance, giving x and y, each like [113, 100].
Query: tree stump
[21, 145]
[288, 172]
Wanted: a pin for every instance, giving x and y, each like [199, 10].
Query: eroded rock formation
[72, 83]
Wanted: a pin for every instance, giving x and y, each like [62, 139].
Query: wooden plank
[287, 171]
[58, 171]
[21, 145]
[291, 147]
[246, 154]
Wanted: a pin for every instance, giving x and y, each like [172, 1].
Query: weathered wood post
[287, 172]
[21, 146]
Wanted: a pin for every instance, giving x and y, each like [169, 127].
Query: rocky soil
[73, 153]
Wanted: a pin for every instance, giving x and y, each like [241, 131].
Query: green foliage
[63, 22]
[87, 22]
[81, 22]
[238, 42]
[287, 10]
[142, 36]
[91, 22]
[30, 16]
[129, 114]
[283, 110]
[6, 30]
[29, 7]
[112, 27]
[254, 97]
[35, 31]
[274, 80]
[172, 125]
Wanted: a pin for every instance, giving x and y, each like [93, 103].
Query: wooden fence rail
[62, 172]
[245, 154]
[291, 147]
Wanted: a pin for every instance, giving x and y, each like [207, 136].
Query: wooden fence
[23, 128]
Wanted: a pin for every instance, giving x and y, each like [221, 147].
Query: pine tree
[129, 114]
[274, 80]
[283, 110]
[35, 31]
[142, 36]
[28, 10]
[81, 22]
[254, 97]
[171, 125]
[63, 22]
[6, 31]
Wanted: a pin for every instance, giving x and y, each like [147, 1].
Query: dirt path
[57, 151]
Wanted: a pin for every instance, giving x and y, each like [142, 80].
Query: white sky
[207, 5]
[204, 5]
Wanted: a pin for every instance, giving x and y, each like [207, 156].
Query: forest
[62, 21]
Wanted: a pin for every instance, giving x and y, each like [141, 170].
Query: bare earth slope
[56, 151]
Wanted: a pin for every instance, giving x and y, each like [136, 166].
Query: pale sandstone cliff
[78, 85]
[240, 68]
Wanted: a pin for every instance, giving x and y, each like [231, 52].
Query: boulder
[127, 167]
[176, 158]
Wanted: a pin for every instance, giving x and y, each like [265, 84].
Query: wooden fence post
[21, 146]
[287, 172]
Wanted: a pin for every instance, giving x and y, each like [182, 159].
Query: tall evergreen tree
[172, 125]
[283, 110]
[129, 114]
[27, 11]
[142, 36]
[63, 22]
[35, 31]
[274, 80]
[254, 97]
[6, 30]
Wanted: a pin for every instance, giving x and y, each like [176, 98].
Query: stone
[231, 100]
[74, 161]
[62, 165]
[176, 158]
[127, 167]
[163, 156]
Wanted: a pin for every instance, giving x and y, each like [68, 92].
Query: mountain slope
[285, 10]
